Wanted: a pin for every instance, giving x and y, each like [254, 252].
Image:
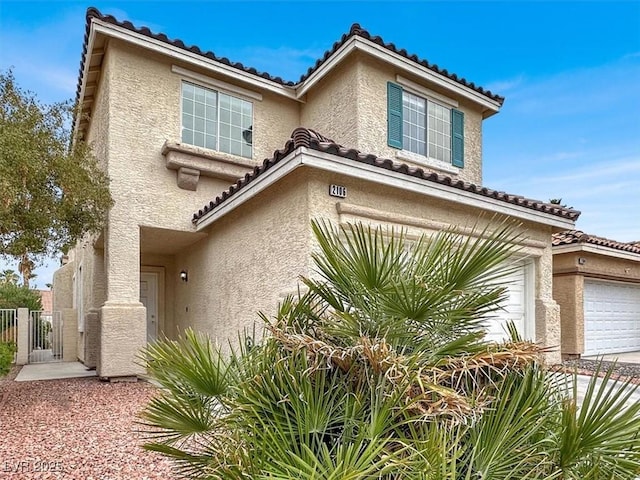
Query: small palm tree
[9, 277]
[380, 370]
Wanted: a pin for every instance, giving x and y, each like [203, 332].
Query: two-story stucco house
[205, 232]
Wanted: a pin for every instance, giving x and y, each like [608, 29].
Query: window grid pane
[216, 121]
[235, 120]
[199, 115]
[439, 127]
[413, 123]
[426, 127]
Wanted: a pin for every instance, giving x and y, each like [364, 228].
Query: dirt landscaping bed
[78, 428]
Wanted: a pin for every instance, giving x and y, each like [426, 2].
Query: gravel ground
[622, 371]
[71, 429]
[84, 429]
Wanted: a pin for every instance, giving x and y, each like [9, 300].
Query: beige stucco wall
[91, 261]
[63, 291]
[332, 105]
[251, 258]
[569, 274]
[144, 113]
[349, 105]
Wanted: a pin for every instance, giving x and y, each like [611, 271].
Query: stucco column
[122, 262]
[547, 310]
[91, 342]
[69, 334]
[22, 355]
[122, 324]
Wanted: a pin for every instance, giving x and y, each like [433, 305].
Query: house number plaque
[339, 191]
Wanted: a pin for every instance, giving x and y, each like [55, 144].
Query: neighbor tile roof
[304, 137]
[355, 30]
[571, 237]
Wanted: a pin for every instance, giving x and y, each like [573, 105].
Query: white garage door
[516, 308]
[611, 317]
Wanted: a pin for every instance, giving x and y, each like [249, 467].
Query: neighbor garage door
[515, 308]
[611, 317]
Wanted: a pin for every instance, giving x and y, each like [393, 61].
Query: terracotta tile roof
[355, 30]
[571, 237]
[304, 137]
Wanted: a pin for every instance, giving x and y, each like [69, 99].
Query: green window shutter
[394, 115]
[457, 138]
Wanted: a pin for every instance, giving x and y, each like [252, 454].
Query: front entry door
[149, 298]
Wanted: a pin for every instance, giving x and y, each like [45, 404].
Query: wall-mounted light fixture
[184, 276]
[582, 261]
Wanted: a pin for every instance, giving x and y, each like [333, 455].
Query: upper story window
[424, 127]
[217, 121]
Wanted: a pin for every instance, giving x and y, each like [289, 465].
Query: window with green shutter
[457, 138]
[424, 127]
[394, 115]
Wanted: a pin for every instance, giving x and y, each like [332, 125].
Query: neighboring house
[46, 298]
[596, 282]
[177, 128]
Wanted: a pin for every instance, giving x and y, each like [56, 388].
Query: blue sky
[570, 72]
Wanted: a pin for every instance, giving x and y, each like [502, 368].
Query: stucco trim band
[207, 163]
[336, 164]
[358, 211]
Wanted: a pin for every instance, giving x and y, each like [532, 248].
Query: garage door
[514, 308]
[611, 317]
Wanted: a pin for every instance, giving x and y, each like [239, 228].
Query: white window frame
[211, 85]
[426, 129]
[433, 97]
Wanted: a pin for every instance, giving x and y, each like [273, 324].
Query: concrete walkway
[52, 371]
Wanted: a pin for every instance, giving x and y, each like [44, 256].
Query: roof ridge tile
[355, 30]
[569, 237]
[305, 137]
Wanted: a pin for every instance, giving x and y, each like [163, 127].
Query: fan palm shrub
[380, 370]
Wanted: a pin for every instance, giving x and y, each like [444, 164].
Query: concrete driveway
[583, 385]
[627, 357]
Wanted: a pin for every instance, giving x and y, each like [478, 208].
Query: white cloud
[501, 87]
[286, 62]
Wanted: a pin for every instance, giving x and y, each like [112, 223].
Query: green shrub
[17, 296]
[380, 371]
[7, 350]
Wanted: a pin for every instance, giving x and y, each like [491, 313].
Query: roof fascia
[595, 249]
[83, 83]
[335, 164]
[383, 54]
[114, 31]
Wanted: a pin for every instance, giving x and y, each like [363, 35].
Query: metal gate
[9, 327]
[45, 337]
